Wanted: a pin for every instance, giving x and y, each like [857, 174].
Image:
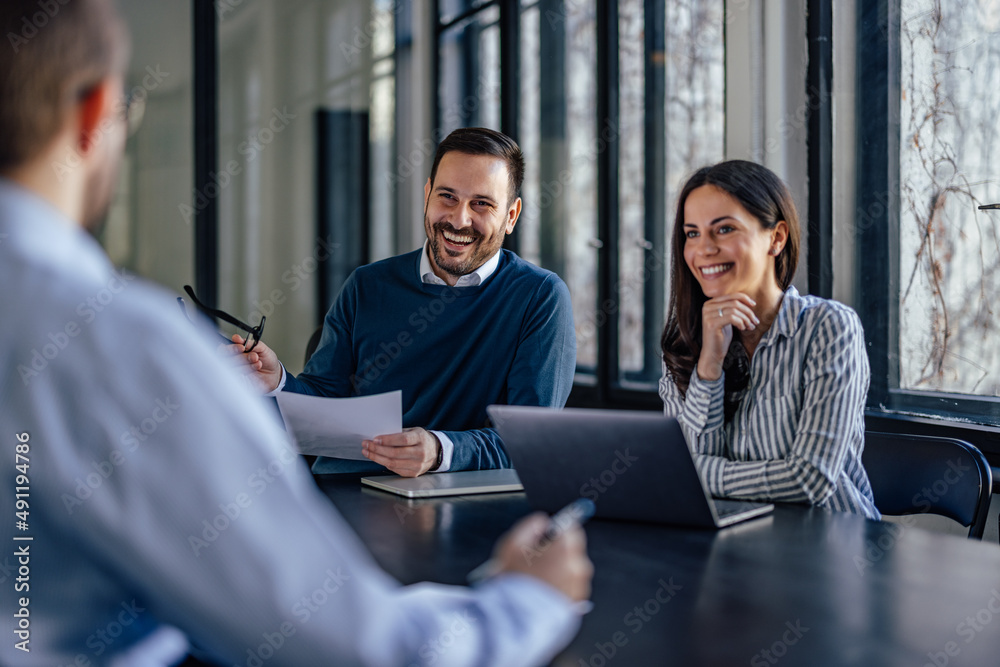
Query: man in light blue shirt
[161, 504]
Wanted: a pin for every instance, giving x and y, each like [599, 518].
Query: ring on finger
[720, 313]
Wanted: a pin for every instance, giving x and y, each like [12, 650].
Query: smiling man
[457, 325]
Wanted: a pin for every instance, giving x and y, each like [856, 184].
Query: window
[306, 157]
[672, 110]
[469, 67]
[616, 103]
[149, 229]
[928, 258]
[558, 106]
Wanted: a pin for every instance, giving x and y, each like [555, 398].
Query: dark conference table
[800, 587]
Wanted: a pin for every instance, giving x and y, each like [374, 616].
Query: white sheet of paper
[336, 426]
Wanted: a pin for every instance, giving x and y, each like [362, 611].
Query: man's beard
[443, 260]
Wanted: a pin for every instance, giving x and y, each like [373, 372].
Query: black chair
[313, 342]
[914, 474]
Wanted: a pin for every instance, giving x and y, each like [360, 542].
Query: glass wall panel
[574, 185]
[671, 94]
[632, 175]
[303, 86]
[150, 225]
[469, 84]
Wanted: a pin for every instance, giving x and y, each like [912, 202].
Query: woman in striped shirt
[768, 385]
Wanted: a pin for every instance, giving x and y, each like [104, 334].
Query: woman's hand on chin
[718, 317]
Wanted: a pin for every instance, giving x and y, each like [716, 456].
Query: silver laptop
[434, 485]
[633, 465]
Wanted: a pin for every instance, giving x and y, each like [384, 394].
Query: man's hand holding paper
[338, 426]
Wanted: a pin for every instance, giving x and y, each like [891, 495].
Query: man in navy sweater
[457, 325]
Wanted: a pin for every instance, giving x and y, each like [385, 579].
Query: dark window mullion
[607, 195]
[654, 286]
[553, 156]
[206, 148]
[510, 67]
[436, 66]
[820, 141]
[877, 201]
[510, 81]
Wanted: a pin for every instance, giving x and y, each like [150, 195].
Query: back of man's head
[56, 51]
[484, 141]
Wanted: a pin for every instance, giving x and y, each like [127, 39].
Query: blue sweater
[451, 350]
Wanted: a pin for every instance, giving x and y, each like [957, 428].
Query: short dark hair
[54, 53]
[484, 141]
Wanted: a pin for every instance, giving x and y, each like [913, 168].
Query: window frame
[876, 231]
[604, 385]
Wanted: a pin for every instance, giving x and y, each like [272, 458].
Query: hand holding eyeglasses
[260, 362]
[254, 359]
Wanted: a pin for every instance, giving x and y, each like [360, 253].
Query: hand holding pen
[551, 549]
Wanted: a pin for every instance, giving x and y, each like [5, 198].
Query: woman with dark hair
[768, 385]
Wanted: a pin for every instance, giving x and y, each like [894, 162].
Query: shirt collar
[33, 227]
[787, 321]
[477, 277]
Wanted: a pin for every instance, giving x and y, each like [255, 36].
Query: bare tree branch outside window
[949, 270]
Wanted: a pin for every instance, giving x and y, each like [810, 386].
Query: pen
[577, 512]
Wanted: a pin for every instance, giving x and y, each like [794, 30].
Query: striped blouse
[798, 433]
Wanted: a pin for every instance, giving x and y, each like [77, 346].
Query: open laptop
[633, 465]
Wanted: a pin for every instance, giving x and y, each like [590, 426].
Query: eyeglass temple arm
[180, 302]
[222, 315]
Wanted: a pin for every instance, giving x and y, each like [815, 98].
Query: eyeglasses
[133, 109]
[133, 106]
[253, 333]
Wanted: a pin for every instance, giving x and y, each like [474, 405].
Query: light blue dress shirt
[166, 505]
